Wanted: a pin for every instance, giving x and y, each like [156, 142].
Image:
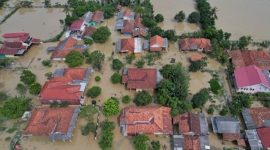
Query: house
[243, 58]
[17, 44]
[193, 132]
[126, 15]
[128, 27]
[253, 140]
[125, 18]
[89, 32]
[251, 79]
[196, 57]
[76, 29]
[129, 45]
[66, 85]
[146, 120]
[229, 127]
[93, 18]
[139, 29]
[57, 123]
[256, 117]
[158, 43]
[196, 44]
[264, 135]
[141, 79]
[65, 47]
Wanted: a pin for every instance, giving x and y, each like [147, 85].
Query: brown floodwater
[41, 23]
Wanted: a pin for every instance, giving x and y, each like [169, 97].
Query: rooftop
[224, 124]
[256, 117]
[194, 44]
[76, 25]
[264, 134]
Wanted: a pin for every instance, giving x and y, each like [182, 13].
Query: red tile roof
[192, 143]
[60, 88]
[128, 26]
[45, 120]
[15, 35]
[231, 136]
[250, 75]
[9, 51]
[196, 57]
[264, 135]
[250, 57]
[128, 44]
[76, 25]
[156, 43]
[188, 122]
[97, 16]
[89, 31]
[140, 78]
[148, 120]
[195, 43]
[138, 21]
[259, 115]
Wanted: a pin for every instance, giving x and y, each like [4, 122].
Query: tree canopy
[159, 18]
[197, 65]
[93, 92]
[101, 35]
[111, 107]
[96, 59]
[74, 59]
[200, 98]
[35, 89]
[117, 64]
[194, 17]
[142, 98]
[140, 142]
[180, 16]
[27, 77]
[15, 107]
[106, 137]
[239, 102]
[116, 78]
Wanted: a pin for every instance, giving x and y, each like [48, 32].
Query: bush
[210, 110]
[4, 63]
[117, 64]
[88, 112]
[11, 130]
[140, 63]
[89, 127]
[116, 78]
[130, 58]
[155, 145]
[27, 77]
[180, 16]
[21, 89]
[200, 98]
[35, 89]
[88, 41]
[126, 99]
[15, 107]
[159, 18]
[101, 35]
[47, 63]
[143, 98]
[106, 138]
[111, 107]
[3, 96]
[149, 22]
[197, 65]
[97, 78]
[74, 59]
[93, 92]
[194, 17]
[214, 85]
[170, 35]
[140, 142]
[224, 111]
[96, 59]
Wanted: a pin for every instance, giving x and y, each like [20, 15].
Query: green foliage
[61, 104]
[140, 142]
[88, 41]
[170, 35]
[151, 57]
[207, 14]
[47, 3]
[197, 65]
[149, 22]
[47, 63]
[130, 58]
[155, 145]
[5, 62]
[97, 78]
[111, 107]
[224, 111]
[200, 98]
[3, 96]
[88, 112]
[27, 77]
[116, 78]
[210, 110]
[159, 18]
[194, 17]
[244, 41]
[89, 127]
[106, 138]
[117, 64]
[142, 98]
[219, 53]
[11, 130]
[96, 59]
[140, 63]
[26, 4]
[35, 89]
[94, 92]
[101, 35]
[239, 102]
[180, 16]
[156, 31]
[108, 10]
[126, 99]
[264, 98]
[107, 125]
[74, 59]
[15, 107]
[214, 85]
[48, 75]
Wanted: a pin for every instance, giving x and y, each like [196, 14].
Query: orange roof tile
[156, 43]
[196, 57]
[259, 115]
[127, 44]
[195, 43]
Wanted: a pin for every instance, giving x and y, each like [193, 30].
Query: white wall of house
[59, 59]
[253, 89]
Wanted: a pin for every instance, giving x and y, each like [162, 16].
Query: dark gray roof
[253, 140]
[178, 142]
[222, 124]
[203, 124]
[248, 119]
[204, 142]
[59, 72]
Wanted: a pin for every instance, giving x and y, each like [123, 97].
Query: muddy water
[39, 22]
[169, 8]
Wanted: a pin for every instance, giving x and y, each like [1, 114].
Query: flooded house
[65, 47]
[56, 123]
[146, 120]
[243, 58]
[195, 44]
[93, 18]
[130, 45]
[141, 79]
[17, 44]
[126, 15]
[251, 79]
[66, 85]
[158, 44]
[76, 29]
[193, 132]
[125, 21]
[253, 139]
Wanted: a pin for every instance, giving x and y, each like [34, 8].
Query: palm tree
[66, 9]
[214, 12]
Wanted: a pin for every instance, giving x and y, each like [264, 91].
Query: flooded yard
[41, 23]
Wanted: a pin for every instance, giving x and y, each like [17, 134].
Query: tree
[106, 138]
[111, 107]
[214, 85]
[96, 59]
[148, 22]
[117, 64]
[101, 35]
[93, 92]
[97, 78]
[89, 127]
[47, 3]
[140, 142]
[35, 89]
[140, 63]
[155, 145]
[15, 107]
[27, 77]
[3, 96]
[126, 99]
[5, 62]
[224, 111]
[21, 89]
[239, 102]
[142, 98]
[47, 63]
[244, 41]
[88, 112]
[108, 10]
[170, 35]
[197, 65]
[130, 58]
[180, 16]
[74, 59]
[159, 18]
[88, 41]
[200, 98]
[156, 31]
[116, 78]
[194, 17]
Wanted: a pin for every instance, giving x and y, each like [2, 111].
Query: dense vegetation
[15, 107]
[94, 92]
[111, 107]
[194, 17]
[96, 58]
[117, 64]
[116, 78]
[74, 59]
[197, 65]
[140, 142]
[101, 35]
[142, 98]
[180, 16]
[200, 98]
[106, 137]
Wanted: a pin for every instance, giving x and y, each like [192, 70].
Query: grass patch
[11, 130]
